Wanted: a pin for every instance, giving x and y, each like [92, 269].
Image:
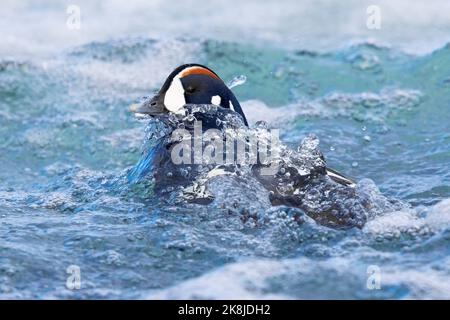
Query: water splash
[237, 81]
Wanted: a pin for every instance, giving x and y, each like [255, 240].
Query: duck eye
[190, 89]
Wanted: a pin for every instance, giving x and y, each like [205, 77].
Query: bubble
[184, 173]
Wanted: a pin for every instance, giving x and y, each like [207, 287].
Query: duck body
[195, 94]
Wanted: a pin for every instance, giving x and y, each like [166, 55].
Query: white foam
[422, 284]
[377, 106]
[436, 219]
[395, 223]
[305, 278]
[229, 282]
[143, 74]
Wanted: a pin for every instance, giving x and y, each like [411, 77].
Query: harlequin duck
[194, 84]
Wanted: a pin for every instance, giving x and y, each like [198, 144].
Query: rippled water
[68, 143]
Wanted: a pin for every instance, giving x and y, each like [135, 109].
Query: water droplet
[190, 118]
[237, 81]
[332, 148]
[354, 164]
[367, 138]
[184, 173]
[261, 124]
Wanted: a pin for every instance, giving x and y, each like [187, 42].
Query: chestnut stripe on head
[174, 98]
[198, 70]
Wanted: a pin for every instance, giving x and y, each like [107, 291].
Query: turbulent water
[68, 145]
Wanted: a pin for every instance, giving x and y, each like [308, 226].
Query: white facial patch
[216, 100]
[174, 99]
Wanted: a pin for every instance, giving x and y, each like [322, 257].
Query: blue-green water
[68, 140]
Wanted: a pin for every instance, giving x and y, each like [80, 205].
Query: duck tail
[339, 178]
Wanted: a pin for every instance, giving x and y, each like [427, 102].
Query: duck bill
[151, 107]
